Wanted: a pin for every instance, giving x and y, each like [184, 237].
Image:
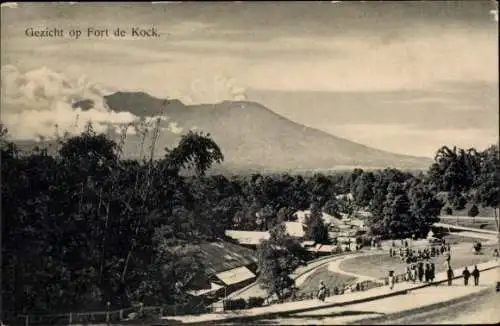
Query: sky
[406, 77]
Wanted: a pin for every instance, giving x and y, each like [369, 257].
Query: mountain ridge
[250, 134]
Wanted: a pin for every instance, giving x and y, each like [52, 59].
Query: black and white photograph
[250, 163]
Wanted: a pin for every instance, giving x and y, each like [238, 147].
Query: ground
[379, 265]
[478, 308]
[330, 279]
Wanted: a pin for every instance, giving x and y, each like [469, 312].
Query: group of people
[420, 271]
[411, 255]
[466, 274]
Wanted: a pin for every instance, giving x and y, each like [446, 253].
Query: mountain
[253, 137]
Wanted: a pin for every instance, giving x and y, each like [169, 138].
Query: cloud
[174, 127]
[41, 103]
[494, 13]
[12, 5]
[209, 90]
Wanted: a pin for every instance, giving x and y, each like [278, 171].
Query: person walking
[420, 271]
[391, 280]
[427, 272]
[449, 273]
[475, 274]
[466, 275]
[413, 273]
[433, 271]
[321, 291]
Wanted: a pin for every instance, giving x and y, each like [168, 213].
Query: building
[247, 238]
[295, 229]
[302, 215]
[347, 196]
[253, 238]
[228, 267]
[324, 250]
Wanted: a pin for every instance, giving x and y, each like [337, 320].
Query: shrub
[459, 203]
[448, 210]
[235, 304]
[255, 302]
[473, 211]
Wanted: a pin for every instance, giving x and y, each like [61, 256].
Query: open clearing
[470, 223]
[379, 265]
[330, 279]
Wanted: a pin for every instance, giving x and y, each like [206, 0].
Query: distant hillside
[253, 137]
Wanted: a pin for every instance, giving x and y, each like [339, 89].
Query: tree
[362, 189]
[315, 228]
[8, 148]
[488, 181]
[285, 214]
[278, 257]
[397, 220]
[331, 207]
[473, 211]
[425, 208]
[455, 171]
[448, 210]
[195, 150]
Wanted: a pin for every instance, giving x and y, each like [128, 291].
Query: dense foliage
[278, 258]
[86, 226]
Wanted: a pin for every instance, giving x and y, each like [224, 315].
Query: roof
[363, 214]
[222, 256]
[248, 237]
[357, 222]
[213, 287]
[323, 248]
[307, 243]
[327, 218]
[235, 275]
[295, 229]
[345, 196]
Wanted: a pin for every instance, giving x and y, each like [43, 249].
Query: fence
[100, 317]
[146, 312]
[340, 290]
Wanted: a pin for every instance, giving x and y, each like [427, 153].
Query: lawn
[330, 279]
[379, 265]
[457, 238]
[479, 224]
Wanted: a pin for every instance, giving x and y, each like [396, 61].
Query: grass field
[453, 239]
[479, 224]
[379, 265]
[330, 279]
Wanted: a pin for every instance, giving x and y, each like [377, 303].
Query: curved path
[302, 277]
[491, 240]
[300, 274]
[335, 267]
